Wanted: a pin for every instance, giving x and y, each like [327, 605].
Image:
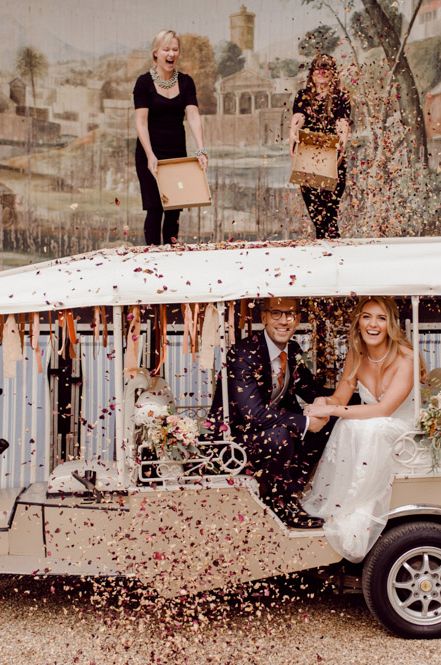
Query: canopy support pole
[416, 357]
[224, 375]
[119, 394]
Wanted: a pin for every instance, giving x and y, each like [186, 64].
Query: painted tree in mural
[323, 39]
[388, 31]
[229, 59]
[363, 30]
[392, 188]
[31, 64]
[283, 67]
[197, 59]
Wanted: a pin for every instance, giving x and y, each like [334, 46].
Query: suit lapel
[266, 365]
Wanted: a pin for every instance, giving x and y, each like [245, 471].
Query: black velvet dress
[166, 129]
[323, 204]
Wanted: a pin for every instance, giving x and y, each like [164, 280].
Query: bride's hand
[318, 410]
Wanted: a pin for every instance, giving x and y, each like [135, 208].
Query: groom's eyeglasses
[277, 314]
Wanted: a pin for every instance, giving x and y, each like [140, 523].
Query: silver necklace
[380, 360]
[164, 83]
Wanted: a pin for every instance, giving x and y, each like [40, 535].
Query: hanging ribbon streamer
[73, 340]
[194, 331]
[245, 316]
[191, 318]
[96, 331]
[66, 323]
[2, 324]
[34, 331]
[188, 325]
[100, 319]
[132, 347]
[51, 331]
[22, 328]
[104, 323]
[210, 337]
[161, 335]
[163, 321]
[231, 331]
[11, 347]
[157, 340]
[62, 327]
[96, 328]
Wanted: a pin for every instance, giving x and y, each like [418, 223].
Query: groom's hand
[321, 401]
[316, 424]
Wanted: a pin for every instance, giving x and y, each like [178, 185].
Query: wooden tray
[315, 160]
[182, 183]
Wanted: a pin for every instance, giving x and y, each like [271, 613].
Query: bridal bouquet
[167, 434]
[430, 423]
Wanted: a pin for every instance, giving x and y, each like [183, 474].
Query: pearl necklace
[164, 83]
[380, 360]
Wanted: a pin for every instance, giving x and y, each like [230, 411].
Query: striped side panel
[97, 414]
[430, 347]
[25, 420]
[191, 386]
[97, 431]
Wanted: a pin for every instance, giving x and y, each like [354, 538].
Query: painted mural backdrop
[67, 177]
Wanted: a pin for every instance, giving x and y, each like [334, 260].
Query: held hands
[315, 424]
[319, 409]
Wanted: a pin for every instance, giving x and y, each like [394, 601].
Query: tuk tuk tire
[405, 563]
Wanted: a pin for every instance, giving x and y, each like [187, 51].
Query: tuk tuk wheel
[402, 580]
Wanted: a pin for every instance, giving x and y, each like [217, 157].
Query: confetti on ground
[67, 623]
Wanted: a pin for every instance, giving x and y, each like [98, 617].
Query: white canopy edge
[210, 273]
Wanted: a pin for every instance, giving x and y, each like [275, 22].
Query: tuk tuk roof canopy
[228, 271]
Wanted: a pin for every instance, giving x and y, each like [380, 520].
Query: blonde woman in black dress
[163, 97]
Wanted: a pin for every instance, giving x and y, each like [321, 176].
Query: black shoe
[293, 516]
[304, 521]
[298, 518]
[4, 445]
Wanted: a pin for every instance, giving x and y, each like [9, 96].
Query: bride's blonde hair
[396, 342]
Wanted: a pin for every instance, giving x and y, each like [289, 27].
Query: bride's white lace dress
[351, 488]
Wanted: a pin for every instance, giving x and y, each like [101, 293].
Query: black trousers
[283, 461]
[153, 223]
[323, 205]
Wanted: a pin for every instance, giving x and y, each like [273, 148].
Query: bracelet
[201, 151]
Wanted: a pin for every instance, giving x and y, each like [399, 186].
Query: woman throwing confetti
[163, 97]
[323, 106]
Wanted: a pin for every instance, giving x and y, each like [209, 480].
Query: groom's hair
[273, 303]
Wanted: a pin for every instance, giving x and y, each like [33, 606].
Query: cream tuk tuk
[95, 501]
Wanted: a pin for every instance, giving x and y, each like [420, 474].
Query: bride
[352, 485]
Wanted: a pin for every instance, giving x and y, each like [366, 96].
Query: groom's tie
[281, 376]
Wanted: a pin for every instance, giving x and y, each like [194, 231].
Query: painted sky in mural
[81, 29]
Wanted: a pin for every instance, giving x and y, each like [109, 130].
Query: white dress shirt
[274, 354]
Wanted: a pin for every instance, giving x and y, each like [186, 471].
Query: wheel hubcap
[414, 586]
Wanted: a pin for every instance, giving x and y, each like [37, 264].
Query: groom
[266, 373]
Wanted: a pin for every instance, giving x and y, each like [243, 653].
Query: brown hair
[265, 302]
[334, 86]
[163, 37]
[397, 340]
